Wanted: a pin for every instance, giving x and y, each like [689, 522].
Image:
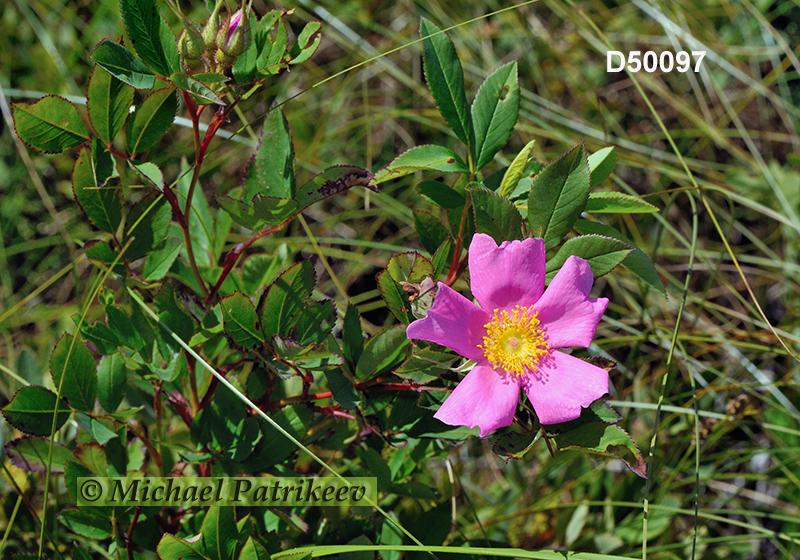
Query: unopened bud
[232, 38]
[212, 27]
[191, 47]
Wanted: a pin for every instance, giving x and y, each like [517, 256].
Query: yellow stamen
[514, 342]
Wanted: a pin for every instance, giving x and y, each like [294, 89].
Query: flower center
[514, 342]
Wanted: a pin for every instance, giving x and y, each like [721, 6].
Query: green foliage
[151, 120]
[271, 172]
[143, 24]
[32, 410]
[202, 93]
[558, 196]
[122, 64]
[241, 321]
[74, 373]
[617, 203]
[51, 124]
[282, 303]
[445, 79]
[100, 202]
[602, 253]
[254, 257]
[496, 216]
[494, 113]
[437, 158]
[601, 164]
[32, 454]
[515, 171]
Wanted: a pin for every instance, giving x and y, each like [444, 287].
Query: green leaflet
[51, 124]
[120, 63]
[219, 532]
[515, 171]
[32, 409]
[601, 164]
[430, 157]
[307, 43]
[514, 445]
[111, 381]
[253, 551]
[637, 262]
[558, 196]
[446, 80]
[602, 253]
[383, 352]
[30, 453]
[101, 203]
[599, 437]
[271, 171]
[151, 120]
[171, 547]
[74, 371]
[148, 222]
[241, 321]
[618, 203]
[108, 103]
[494, 113]
[394, 297]
[160, 260]
[281, 304]
[85, 522]
[409, 267]
[431, 231]
[201, 91]
[496, 216]
[143, 24]
[352, 335]
[442, 195]
[425, 366]
[342, 389]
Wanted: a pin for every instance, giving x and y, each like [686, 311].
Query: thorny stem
[199, 148]
[377, 383]
[139, 431]
[190, 365]
[233, 256]
[454, 273]
[212, 386]
[199, 153]
[169, 194]
[129, 535]
[157, 404]
[179, 403]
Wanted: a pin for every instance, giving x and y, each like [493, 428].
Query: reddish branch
[233, 256]
[378, 383]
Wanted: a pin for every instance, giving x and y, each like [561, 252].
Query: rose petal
[484, 398]
[562, 386]
[508, 275]
[452, 321]
[235, 21]
[567, 314]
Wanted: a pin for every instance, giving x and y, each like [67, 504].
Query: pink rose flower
[513, 334]
[233, 24]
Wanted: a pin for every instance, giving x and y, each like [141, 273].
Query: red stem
[233, 256]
